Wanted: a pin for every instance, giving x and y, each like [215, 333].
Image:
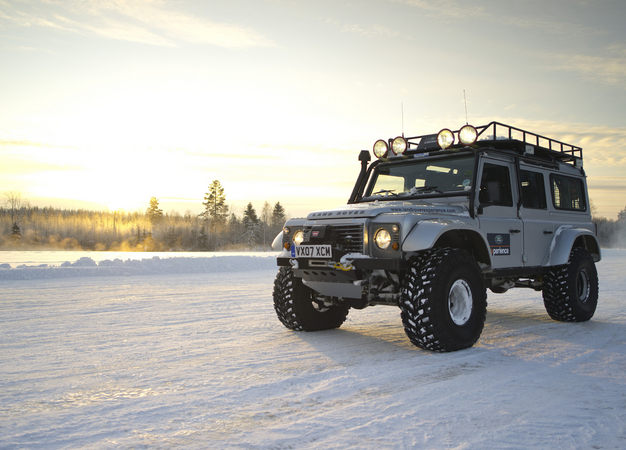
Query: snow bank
[87, 267]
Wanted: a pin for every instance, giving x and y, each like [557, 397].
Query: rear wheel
[302, 309]
[443, 300]
[570, 292]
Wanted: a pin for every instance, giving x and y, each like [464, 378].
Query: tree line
[23, 227]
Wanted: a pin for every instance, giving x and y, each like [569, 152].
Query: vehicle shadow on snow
[526, 326]
[503, 329]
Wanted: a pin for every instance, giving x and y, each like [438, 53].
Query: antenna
[402, 110]
[465, 101]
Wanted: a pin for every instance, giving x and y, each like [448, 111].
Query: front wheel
[300, 308]
[570, 292]
[443, 300]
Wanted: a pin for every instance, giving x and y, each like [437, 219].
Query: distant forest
[23, 227]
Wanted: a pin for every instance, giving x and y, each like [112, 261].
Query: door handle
[548, 232]
[515, 231]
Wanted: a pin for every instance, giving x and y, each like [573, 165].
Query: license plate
[312, 251]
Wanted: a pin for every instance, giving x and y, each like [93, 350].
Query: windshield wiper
[423, 190]
[385, 191]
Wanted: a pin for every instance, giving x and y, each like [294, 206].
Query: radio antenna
[402, 111]
[465, 101]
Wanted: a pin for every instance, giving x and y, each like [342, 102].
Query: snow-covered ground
[189, 354]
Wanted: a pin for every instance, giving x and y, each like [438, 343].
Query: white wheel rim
[582, 286]
[460, 302]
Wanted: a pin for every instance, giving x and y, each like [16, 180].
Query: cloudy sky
[106, 103]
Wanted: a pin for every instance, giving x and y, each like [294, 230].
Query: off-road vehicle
[435, 221]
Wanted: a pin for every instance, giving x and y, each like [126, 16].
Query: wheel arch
[566, 238]
[455, 234]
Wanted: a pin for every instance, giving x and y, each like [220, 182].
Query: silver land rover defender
[435, 221]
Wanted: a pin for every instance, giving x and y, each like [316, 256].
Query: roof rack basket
[561, 151]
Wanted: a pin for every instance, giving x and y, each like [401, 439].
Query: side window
[533, 190]
[567, 193]
[495, 186]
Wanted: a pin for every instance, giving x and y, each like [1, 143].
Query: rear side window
[533, 190]
[567, 193]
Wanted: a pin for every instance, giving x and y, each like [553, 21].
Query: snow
[190, 354]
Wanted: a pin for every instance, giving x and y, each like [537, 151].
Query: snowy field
[188, 353]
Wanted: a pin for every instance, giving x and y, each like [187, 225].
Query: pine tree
[16, 234]
[251, 226]
[215, 203]
[250, 213]
[278, 215]
[155, 215]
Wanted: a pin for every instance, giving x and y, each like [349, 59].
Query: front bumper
[367, 264]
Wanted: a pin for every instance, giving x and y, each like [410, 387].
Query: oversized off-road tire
[570, 292]
[300, 308]
[443, 300]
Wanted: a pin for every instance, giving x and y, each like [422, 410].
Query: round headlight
[468, 135]
[399, 145]
[380, 148]
[382, 238]
[298, 237]
[445, 138]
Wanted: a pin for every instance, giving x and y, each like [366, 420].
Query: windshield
[418, 177]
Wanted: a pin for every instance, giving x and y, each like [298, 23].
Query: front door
[497, 212]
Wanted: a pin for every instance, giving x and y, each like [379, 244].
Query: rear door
[534, 212]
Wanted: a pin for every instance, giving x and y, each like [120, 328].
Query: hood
[373, 209]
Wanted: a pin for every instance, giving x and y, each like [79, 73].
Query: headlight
[445, 138]
[382, 238]
[380, 148]
[298, 237]
[468, 135]
[399, 145]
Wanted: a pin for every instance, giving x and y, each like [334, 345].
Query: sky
[107, 103]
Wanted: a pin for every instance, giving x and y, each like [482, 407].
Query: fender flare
[428, 233]
[567, 237]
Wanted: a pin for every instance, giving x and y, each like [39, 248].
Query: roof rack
[556, 149]
[500, 135]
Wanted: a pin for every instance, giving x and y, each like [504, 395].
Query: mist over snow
[188, 353]
[87, 266]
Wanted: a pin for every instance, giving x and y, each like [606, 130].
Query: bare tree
[16, 205]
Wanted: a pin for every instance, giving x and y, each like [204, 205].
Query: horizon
[113, 103]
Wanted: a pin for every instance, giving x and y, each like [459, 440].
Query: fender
[426, 233]
[277, 243]
[565, 239]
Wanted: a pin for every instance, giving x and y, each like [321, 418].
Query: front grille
[348, 238]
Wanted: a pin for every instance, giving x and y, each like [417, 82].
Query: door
[497, 212]
[538, 224]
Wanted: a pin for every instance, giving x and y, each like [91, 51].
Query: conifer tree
[251, 225]
[215, 207]
[154, 213]
[250, 213]
[278, 215]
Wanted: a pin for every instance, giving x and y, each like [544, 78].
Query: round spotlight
[382, 238]
[399, 145]
[468, 135]
[298, 237]
[380, 148]
[445, 138]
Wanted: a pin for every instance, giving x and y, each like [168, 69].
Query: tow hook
[346, 267]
